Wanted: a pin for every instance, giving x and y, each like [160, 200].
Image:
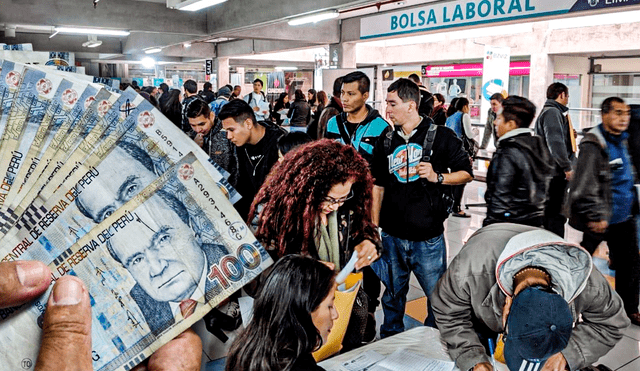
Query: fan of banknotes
[97, 183]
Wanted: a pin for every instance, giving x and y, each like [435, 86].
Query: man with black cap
[554, 310]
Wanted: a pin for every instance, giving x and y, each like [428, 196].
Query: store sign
[495, 76]
[471, 69]
[209, 67]
[471, 12]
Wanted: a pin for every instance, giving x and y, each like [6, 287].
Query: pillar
[541, 76]
[222, 71]
[348, 51]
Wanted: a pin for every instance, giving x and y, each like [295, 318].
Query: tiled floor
[625, 356]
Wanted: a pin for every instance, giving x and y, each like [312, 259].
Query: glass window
[625, 86]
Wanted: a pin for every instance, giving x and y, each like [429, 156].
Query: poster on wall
[275, 85]
[387, 75]
[495, 76]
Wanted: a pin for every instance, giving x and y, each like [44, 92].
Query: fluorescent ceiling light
[93, 42]
[91, 31]
[152, 50]
[148, 62]
[313, 18]
[286, 68]
[195, 5]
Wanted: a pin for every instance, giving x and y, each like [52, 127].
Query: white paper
[363, 361]
[402, 360]
[246, 309]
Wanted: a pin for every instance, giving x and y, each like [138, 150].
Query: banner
[472, 12]
[495, 76]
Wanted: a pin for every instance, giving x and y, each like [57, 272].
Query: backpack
[427, 152]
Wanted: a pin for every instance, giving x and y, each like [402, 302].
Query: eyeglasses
[332, 201]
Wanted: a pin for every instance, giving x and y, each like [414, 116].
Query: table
[421, 340]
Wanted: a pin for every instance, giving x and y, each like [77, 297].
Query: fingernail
[30, 273]
[68, 291]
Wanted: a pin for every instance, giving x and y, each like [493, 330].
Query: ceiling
[232, 29]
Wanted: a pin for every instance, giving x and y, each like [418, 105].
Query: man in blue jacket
[603, 200]
[359, 125]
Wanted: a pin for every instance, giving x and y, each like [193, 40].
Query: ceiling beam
[327, 32]
[249, 47]
[111, 14]
[64, 43]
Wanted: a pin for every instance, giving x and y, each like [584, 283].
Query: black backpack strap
[387, 142]
[428, 143]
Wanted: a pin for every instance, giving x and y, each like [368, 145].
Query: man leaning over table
[555, 312]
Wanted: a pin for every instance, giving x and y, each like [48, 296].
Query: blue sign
[471, 12]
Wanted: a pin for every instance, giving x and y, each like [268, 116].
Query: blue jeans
[427, 259]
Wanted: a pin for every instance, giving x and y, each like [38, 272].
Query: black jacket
[415, 209]
[590, 198]
[208, 96]
[439, 116]
[221, 151]
[552, 126]
[426, 102]
[300, 113]
[251, 174]
[517, 180]
[332, 109]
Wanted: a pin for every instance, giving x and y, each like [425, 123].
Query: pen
[492, 350]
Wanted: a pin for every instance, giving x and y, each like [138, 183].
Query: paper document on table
[362, 362]
[402, 360]
[182, 223]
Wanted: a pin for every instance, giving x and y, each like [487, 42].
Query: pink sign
[471, 69]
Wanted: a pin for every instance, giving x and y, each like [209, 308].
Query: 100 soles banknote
[153, 267]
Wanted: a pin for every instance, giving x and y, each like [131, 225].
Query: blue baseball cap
[539, 325]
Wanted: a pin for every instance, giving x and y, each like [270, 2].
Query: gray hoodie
[480, 277]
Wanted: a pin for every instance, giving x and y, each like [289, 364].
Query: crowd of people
[343, 179]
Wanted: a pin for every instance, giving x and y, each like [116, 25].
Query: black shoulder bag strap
[343, 131]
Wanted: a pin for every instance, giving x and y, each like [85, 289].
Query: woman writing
[281, 103]
[317, 202]
[292, 317]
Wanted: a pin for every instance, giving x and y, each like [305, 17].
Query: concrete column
[222, 71]
[348, 59]
[541, 76]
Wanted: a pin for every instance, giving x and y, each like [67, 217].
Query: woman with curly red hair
[317, 202]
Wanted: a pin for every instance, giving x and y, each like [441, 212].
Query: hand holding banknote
[66, 338]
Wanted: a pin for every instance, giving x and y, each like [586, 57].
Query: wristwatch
[440, 178]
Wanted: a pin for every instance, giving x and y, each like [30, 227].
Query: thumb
[66, 338]
[22, 281]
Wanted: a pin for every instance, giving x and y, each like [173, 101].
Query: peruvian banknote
[153, 267]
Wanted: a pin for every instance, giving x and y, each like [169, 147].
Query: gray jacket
[475, 286]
